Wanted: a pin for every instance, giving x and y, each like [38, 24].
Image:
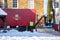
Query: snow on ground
[29, 38]
[26, 35]
[49, 31]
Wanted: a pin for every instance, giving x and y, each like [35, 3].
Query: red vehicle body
[20, 17]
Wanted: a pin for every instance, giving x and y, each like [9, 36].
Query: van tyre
[4, 31]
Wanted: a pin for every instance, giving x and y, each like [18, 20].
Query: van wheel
[20, 29]
[4, 31]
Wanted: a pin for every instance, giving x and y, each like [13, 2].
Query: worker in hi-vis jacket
[31, 25]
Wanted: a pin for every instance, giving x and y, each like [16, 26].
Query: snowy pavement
[26, 35]
[49, 31]
[29, 38]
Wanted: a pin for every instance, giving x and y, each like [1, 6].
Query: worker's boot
[31, 30]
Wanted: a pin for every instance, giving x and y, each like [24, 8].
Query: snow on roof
[2, 12]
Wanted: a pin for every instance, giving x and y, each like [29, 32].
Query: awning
[2, 12]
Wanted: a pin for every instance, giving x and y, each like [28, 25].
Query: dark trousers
[31, 28]
[3, 18]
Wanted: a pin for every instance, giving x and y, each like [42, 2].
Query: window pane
[31, 4]
[15, 3]
[14, 0]
[56, 5]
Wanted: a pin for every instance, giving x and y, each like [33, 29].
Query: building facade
[56, 4]
[38, 5]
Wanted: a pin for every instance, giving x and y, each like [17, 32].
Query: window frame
[13, 6]
[30, 4]
[56, 4]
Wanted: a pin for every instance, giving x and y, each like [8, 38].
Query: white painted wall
[45, 7]
[57, 13]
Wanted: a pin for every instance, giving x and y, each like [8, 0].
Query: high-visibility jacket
[31, 23]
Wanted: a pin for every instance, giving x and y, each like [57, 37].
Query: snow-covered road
[26, 35]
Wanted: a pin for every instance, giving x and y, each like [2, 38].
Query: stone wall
[22, 4]
[39, 6]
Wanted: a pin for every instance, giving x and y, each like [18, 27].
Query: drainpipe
[5, 4]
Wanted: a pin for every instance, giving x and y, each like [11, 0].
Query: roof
[2, 12]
